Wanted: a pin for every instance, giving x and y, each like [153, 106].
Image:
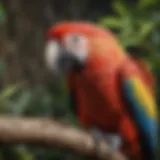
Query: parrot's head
[70, 45]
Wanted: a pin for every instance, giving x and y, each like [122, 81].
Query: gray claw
[97, 135]
[114, 141]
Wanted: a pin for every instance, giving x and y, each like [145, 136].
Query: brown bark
[23, 40]
[47, 132]
[23, 34]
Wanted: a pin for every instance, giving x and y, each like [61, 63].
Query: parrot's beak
[68, 62]
[59, 60]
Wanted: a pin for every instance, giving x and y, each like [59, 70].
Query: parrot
[111, 93]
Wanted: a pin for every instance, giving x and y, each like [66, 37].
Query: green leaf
[22, 153]
[19, 106]
[111, 22]
[8, 92]
[120, 8]
[146, 29]
[143, 4]
[2, 12]
[128, 42]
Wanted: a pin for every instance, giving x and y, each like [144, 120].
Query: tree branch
[52, 133]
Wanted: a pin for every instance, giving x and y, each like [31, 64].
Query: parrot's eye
[73, 39]
[77, 45]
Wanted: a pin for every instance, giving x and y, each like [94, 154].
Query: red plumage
[97, 88]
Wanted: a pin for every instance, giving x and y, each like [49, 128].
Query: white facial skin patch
[77, 45]
[51, 54]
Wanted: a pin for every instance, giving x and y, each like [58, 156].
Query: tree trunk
[23, 33]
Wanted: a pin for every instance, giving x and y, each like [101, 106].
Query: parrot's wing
[142, 107]
[146, 72]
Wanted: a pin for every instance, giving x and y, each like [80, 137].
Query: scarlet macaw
[110, 90]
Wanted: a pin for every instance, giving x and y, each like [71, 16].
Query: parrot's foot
[114, 141]
[97, 135]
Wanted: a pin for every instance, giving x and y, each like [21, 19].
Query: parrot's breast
[93, 107]
[98, 111]
[97, 92]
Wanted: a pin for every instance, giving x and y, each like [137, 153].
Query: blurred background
[27, 88]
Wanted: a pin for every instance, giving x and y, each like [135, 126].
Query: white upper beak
[51, 54]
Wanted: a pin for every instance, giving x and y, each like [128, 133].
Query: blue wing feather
[143, 109]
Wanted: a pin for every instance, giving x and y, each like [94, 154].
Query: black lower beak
[68, 62]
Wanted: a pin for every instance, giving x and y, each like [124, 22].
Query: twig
[14, 130]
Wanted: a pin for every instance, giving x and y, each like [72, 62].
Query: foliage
[137, 26]
[135, 23]
[2, 13]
